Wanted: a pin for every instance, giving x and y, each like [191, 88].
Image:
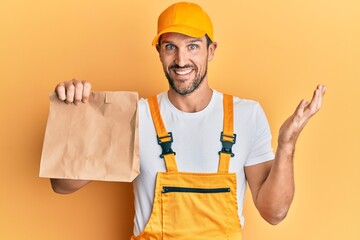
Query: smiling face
[185, 61]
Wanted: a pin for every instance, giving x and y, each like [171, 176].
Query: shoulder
[246, 109]
[245, 103]
[238, 101]
[143, 102]
[242, 104]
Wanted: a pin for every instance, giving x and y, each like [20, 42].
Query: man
[199, 193]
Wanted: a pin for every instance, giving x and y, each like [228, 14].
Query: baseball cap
[185, 18]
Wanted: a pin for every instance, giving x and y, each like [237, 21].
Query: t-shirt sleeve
[261, 150]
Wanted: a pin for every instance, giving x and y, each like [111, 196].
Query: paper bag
[97, 140]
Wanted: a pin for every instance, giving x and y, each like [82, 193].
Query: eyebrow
[196, 40]
[191, 41]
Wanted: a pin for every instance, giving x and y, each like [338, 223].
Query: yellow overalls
[191, 206]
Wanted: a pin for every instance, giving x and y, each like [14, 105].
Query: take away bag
[97, 140]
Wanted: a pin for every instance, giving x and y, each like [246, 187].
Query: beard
[193, 85]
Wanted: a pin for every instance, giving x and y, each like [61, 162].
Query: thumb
[300, 108]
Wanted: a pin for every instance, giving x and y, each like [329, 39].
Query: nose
[181, 57]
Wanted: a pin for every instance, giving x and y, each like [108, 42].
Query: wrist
[287, 148]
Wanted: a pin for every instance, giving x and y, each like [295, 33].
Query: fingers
[73, 91]
[307, 109]
[86, 91]
[300, 108]
[316, 100]
[70, 91]
[60, 91]
[322, 90]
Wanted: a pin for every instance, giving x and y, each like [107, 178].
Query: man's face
[185, 60]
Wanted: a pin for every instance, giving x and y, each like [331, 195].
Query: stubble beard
[196, 82]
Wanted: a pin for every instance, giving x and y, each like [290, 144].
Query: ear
[211, 51]
[157, 48]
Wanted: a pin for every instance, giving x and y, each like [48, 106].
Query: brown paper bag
[97, 140]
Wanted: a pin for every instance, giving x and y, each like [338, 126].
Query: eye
[169, 47]
[193, 46]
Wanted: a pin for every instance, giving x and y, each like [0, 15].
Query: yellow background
[274, 52]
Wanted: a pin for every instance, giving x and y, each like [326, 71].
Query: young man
[198, 194]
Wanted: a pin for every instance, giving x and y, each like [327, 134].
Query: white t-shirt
[197, 143]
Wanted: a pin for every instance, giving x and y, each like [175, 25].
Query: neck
[193, 102]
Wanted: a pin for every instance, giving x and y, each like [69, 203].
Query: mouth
[182, 71]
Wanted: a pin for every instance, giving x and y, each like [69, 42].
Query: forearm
[277, 191]
[66, 186]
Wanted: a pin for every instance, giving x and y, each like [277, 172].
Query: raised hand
[73, 91]
[292, 127]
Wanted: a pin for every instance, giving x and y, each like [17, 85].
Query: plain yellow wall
[274, 52]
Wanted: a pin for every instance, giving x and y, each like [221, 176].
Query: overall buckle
[166, 145]
[227, 142]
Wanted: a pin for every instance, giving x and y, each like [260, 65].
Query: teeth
[182, 72]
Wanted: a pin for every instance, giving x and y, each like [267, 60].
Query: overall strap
[227, 138]
[164, 138]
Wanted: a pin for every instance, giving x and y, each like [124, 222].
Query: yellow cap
[185, 18]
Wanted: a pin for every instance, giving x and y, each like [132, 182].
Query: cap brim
[192, 32]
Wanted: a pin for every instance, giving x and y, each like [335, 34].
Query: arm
[66, 186]
[272, 183]
[73, 91]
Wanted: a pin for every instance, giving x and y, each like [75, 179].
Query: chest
[196, 143]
